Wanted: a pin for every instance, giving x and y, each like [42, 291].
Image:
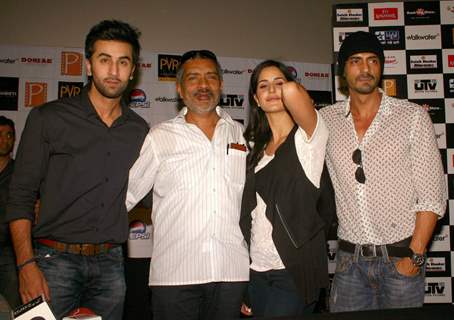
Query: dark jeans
[367, 283]
[215, 300]
[95, 282]
[273, 294]
[9, 286]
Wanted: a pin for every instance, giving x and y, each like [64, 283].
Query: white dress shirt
[402, 165]
[197, 188]
[311, 154]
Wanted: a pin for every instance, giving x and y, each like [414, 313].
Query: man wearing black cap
[388, 199]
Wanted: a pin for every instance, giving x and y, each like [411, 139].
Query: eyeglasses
[359, 173]
[203, 54]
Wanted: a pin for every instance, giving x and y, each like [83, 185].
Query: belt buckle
[87, 250]
[374, 250]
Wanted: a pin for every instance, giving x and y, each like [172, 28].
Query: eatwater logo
[385, 13]
[234, 72]
[428, 36]
[35, 94]
[8, 60]
[71, 63]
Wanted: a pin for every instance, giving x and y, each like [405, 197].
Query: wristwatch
[418, 259]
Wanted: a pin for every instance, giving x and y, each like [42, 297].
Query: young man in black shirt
[76, 152]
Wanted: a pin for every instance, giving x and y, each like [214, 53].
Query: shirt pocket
[235, 167]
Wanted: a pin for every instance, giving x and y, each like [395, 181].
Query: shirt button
[106, 179]
[102, 205]
[214, 189]
[108, 153]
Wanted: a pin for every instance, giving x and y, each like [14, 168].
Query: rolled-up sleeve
[142, 174]
[427, 167]
[29, 168]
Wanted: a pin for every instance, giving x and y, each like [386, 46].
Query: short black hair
[113, 30]
[4, 121]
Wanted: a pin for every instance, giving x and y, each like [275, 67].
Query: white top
[197, 188]
[402, 165]
[311, 154]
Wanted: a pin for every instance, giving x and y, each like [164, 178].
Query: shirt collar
[90, 110]
[180, 118]
[385, 104]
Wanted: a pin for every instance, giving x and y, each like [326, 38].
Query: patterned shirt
[197, 187]
[402, 165]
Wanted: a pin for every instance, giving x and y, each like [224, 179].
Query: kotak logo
[41, 61]
[385, 13]
[35, 93]
[71, 63]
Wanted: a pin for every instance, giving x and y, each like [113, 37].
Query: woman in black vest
[288, 199]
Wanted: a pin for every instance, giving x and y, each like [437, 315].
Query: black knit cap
[357, 42]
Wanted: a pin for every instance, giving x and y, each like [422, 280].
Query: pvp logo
[138, 99]
[69, 89]
[138, 230]
[167, 67]
[71, 63]
[35, 94]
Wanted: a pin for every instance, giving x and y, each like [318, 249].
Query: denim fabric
[209, 301]
[9, 286]
[367, 283]
[273, 294]
[96, 282]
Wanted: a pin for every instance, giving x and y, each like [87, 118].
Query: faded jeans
[95, 282]
[366, 283]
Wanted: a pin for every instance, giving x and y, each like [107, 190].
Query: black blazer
[300, 214]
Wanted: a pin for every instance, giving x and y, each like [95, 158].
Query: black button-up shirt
[79, 167]
[5, 177]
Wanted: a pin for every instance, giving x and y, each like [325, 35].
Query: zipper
[285, 226]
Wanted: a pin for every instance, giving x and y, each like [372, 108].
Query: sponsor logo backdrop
[418, 38]
[31, 76]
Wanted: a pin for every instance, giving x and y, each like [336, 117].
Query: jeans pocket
[394, 261]
[343, 262]
[45, 254]
[115, 255]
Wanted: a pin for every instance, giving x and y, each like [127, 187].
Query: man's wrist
[25, 263]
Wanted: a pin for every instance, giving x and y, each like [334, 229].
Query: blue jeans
[367, 283]
[273, 294]
[95, 282]
[9, 285]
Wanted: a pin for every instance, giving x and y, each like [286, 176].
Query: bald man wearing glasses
[388, 177]
[196, 165]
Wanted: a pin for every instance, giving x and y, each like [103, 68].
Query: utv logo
[435, 288]
[426, 85]
[349, 15]
[232, 101]
[423, 62]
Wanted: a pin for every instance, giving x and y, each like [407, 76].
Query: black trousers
[214, 300]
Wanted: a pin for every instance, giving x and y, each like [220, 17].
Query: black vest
[299, 212]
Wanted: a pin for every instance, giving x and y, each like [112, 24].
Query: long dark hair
[258, 131]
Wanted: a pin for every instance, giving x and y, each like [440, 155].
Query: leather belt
[85, 249]
[398, 249]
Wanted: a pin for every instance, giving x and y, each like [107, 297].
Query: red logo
[451, 60]
[35, 94]
[71, 63]
[385, 13]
